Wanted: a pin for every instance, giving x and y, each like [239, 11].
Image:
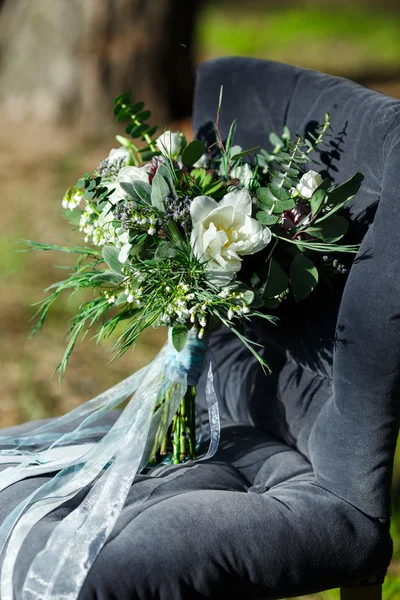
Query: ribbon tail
[61, 568]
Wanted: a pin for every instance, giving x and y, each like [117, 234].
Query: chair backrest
[335, 389]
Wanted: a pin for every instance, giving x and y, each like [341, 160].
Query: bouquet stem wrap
[105, 470]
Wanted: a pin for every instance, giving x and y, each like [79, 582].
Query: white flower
[224, 231]
[243, 173]
[121, 153]
[126, 175]
[202, 162]
[308, 184]
[72, 198]
[169, 143]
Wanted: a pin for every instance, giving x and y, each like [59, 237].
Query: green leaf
[286, 133]
[136, 108]
[244, 153]
[280, 207]
[303, 277]
[121, 299]
[72, 216]
[257, 302]
[277, 281]
[279, 192]
[108, 277]
[330, 230]
[264, 195]
[143, 115]
[179, 337]
[276, 140]
[266, 219]
[165, 172]
[346, 190]
[165, 250]
[124, 98]
[136, 131]
[159, 191]
[271, 302]
[317, 200]
[143, 190]
[152, 130]
[193, 152]
[110, 255]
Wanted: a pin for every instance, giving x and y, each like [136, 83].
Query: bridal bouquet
[184, 235]
[189, 237]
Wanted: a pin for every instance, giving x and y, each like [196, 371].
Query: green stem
[191, 400]
[176, 438]
[148, 139]
[174, 232]
[182, 442]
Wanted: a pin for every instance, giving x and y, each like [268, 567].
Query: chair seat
[251, 521]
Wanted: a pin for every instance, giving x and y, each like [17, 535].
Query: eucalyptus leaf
[276, 140]
[265, 197]
[317, 200]
[277, 282]
[266, 219]
[110, 255]
[279, 193]
[193, 152]
[303, 276]
[346, 190]
[330, 230]
[179, 337]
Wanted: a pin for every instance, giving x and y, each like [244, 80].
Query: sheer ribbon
[104, 470]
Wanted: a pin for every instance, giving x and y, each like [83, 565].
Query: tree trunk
[65, 60]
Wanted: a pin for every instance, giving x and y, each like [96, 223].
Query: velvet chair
[297, 499]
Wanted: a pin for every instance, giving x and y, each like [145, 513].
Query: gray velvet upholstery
[297, 498]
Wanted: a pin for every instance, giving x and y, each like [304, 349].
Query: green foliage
[203, 183]
[330, 230]
[72, 216]
[137, 117]
[110, 256]
[303, 277]
[193, 152]
[277, 280]
[179, 337]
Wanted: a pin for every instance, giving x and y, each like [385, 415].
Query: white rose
[169, 143]
[308, 184]
[126, 175]
[224, 231]
[121, 153]
[243, 173]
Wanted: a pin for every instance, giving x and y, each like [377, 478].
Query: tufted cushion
[251, 521]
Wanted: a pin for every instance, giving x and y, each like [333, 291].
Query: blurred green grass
[345, 40]
[36, 167]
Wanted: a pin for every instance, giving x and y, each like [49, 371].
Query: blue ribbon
[106, 469]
